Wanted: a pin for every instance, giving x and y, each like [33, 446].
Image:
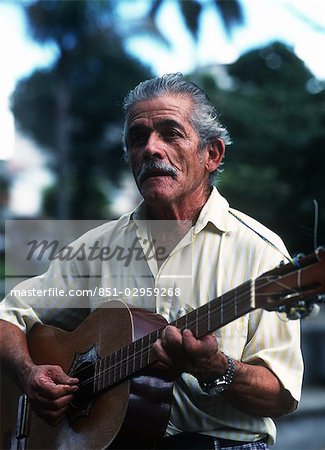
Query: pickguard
[83, 367]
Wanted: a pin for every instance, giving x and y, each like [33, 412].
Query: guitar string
[123, 363]
[141, 352]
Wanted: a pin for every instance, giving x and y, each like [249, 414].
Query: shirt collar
[136, 216]
[215, 211]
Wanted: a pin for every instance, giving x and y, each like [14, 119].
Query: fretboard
[130, 359]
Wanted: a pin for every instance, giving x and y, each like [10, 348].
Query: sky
[299, 23]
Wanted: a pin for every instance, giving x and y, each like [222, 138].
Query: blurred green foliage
[73, 109]
[275, 112]
[230, 12]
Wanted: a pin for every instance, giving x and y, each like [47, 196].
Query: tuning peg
[297, 258]
[295, 314]
[302, 309]
[320, 298]
[314, 310]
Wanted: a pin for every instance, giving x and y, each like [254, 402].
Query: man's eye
[138, 139]
[172, 133]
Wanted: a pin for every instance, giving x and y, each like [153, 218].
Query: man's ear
[216, 152]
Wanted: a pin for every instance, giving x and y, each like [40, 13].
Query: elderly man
[233, 382]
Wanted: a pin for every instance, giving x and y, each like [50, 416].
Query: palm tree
[230, 12]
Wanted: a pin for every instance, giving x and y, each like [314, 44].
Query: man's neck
[180, 219]
[185, 210]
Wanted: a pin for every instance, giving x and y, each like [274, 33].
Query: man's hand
[50, 391]
[182, 352]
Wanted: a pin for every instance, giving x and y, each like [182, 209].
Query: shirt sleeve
[274, 341]
[279, 350]
[48, 298]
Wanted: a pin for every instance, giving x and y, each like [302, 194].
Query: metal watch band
[219, 384]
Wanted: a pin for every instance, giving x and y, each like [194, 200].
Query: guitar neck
[139, 354]
[220, 311]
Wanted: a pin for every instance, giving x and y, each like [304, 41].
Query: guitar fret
[113, 367]
[215, 318]
[146, 350]
[149, 348]
[133, 357]
[119, 364]
[108, 371]
[141, 352]
[137, 364]
[102, 374]
[97, 376]
[123, 363]
[127, 360]
[204, 320]
[130, 359]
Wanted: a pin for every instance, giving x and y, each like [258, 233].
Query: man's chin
[156, 194]
[157, 186]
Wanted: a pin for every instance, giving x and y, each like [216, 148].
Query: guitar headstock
[293, 287]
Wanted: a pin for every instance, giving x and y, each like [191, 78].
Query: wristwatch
[218, 385]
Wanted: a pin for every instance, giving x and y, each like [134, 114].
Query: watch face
[220, 384]
[215, 390]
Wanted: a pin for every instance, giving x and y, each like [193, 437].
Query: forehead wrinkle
[171, 108]
[147, 122]
[168, 122]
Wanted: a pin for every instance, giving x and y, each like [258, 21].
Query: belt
[190, 441]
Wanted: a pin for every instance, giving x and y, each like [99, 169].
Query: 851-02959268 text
[98, 292]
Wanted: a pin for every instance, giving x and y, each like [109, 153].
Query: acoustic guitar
[124, 398]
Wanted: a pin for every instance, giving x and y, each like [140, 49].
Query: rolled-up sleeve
[274, 341]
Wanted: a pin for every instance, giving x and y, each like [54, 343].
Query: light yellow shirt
[219, 253]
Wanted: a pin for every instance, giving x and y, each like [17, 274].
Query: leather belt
[189, 441]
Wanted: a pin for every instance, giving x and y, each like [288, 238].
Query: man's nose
[153, 147]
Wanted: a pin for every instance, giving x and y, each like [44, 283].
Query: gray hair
[204, 117]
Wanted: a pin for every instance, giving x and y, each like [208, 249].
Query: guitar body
[119, 417]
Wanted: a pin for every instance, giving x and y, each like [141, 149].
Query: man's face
[163, 149]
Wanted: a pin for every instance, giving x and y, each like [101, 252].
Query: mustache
[156, 167]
